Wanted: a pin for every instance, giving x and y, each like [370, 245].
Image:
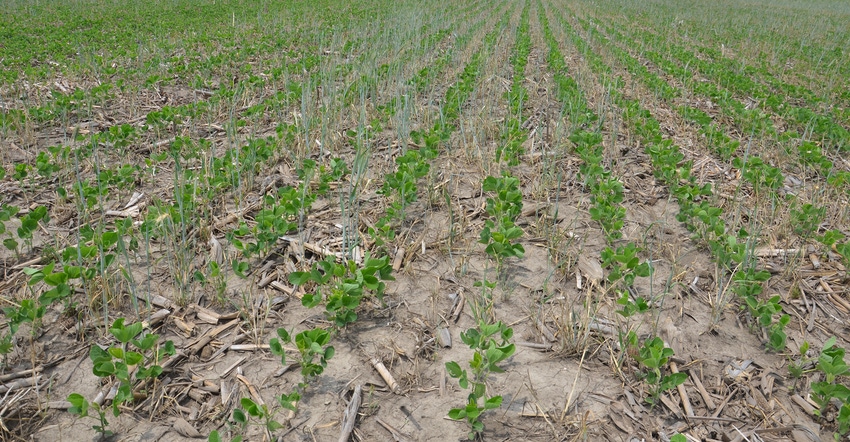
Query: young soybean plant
[654, 355]
[315, 353]
[504, 207]
[312, 346]
[831, 363]
[829, 391]
[491, 345]
[341, 286]
[120, 361]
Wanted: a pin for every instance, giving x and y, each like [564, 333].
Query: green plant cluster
[718, 140]
[29, 225]
[685, 63]
[500, 231]
[252, 72]
[94, 257]
[624, 265]
[459, 91]
[282, 212]
[491, 345]
[7, 212]
[813, 158]
[341, 286]
[731, 250]
[828, 392]
[594, 60]
[370, 83]
[654, 356]
[568, 91]
[86, 41]
[154, 64]
[414, 165]
[427, 74]
[740, 79]
[749, 120]
[401, 187]
[315, 352]
[831, 239]
[657, 85]
[131, 361]
[513, 135]
[762, 176]
[606, 190]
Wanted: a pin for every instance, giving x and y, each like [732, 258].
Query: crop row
[208, 31]
[732, 249]
[805, 218]
[794, 45]
[760, 174]
[513, 135]
[765, 179]
[623, 261]
[684, 64]
[284, 74]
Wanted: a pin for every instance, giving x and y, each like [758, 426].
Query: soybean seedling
[654, 355]
[120, 361]
[315, 353]
[500, 231]
[491, 345]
